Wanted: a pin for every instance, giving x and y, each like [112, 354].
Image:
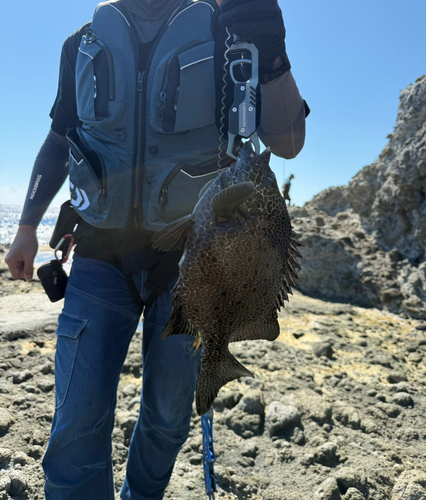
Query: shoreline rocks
[365, 242]
[348, 426]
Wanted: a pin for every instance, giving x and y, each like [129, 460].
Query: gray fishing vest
[147, 140]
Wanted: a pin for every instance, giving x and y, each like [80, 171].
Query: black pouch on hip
[68, 218]
[53, 279]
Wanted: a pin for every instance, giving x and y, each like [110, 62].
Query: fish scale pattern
[239, 264]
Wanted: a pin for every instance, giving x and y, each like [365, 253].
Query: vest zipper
[163, 198]
[102, 187]
[163, 93]
[139, 138]
[92, 38]
[140, 120]
[101, 182]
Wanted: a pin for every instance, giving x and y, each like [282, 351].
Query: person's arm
[50, 167]
[283, 111]
[282, 119]
[49, 173]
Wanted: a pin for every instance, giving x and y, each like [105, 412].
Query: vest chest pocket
[178, 193]
[87, 181]
[95, 78]
[183, 95]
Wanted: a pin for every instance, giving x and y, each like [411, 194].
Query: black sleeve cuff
[268, 76]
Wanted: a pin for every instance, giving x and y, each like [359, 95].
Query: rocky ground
[336, 411]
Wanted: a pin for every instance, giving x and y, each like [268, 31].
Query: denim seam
[104, 416]
[109, 304]
[110, 469]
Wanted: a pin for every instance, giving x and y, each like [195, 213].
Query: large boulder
[365, 243]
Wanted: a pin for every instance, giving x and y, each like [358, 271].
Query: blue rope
[209, 457]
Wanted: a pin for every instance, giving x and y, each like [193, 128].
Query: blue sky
[350, 60]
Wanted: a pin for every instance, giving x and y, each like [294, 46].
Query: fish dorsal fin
[290, 271]
[226, 201]
[173, 236]
[205, 187]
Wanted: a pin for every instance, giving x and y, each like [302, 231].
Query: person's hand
[259, 21]
[22, 252]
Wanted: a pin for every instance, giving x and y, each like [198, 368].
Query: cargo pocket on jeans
[68, 333]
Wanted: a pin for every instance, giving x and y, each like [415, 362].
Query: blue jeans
[95, 328]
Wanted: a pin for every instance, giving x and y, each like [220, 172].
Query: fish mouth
[268, 175]
[266, 154]
[251, 167]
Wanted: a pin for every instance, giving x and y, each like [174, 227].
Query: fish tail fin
[213, 376]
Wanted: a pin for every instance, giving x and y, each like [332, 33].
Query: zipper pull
[161, 105]
[164, 198]
[140, 81]
[90, 36]
[162, 100]
[101, 199]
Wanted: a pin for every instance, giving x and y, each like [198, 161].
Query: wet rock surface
[345, 425]
[365, 242]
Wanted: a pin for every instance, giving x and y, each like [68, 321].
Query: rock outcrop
[365, 243]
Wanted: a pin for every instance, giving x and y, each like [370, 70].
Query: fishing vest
[148, 140]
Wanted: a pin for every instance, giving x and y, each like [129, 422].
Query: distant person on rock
[135, 126]
[286, 188]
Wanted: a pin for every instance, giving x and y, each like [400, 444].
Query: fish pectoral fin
[178, 323]
[229, 199]
[173, 236]
[215, 374]
[256, 331]
[205, 187]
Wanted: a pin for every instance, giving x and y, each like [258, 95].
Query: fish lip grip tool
[242, 114]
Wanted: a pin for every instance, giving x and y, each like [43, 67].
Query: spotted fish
[239, 264]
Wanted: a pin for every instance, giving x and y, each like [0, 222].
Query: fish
[239, 264]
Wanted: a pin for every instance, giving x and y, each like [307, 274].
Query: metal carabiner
[242, 114]
[59, 245]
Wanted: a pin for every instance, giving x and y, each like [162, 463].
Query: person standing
[136, 124]
[286, 188]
